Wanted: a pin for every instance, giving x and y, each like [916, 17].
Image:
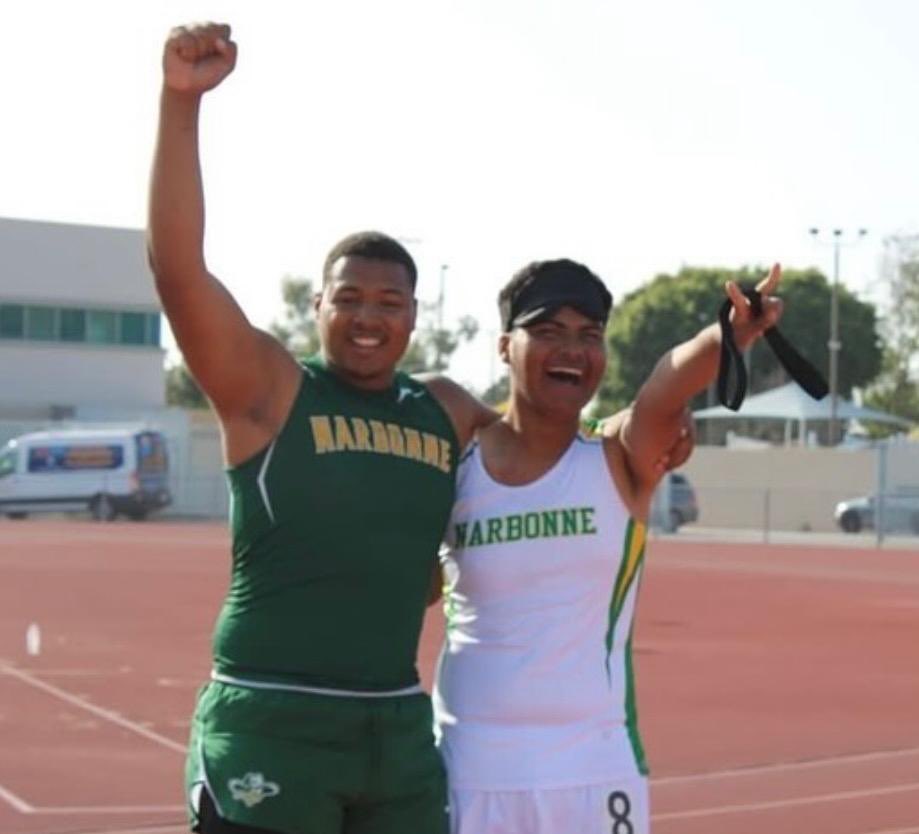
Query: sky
[634, 137]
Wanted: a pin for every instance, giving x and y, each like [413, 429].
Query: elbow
[169, 269]
[161, 275]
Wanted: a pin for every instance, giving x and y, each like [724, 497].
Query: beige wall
[798, 488]
[204, 487]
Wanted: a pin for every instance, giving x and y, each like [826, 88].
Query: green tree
[896, 389]
[297, 328]
[671, 308]
[498, 392]
[432, 345]
[181, 388]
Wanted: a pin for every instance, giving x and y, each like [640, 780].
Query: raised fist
[197, 58]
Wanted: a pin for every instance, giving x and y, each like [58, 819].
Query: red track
[778, 686]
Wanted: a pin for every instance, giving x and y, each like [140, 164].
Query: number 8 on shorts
[619, 808]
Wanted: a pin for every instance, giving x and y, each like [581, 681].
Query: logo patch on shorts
[252, 789]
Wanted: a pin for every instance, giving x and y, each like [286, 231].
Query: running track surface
[778, 686]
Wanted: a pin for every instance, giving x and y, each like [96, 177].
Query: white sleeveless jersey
[534, 686]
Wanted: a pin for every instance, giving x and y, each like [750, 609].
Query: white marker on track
[33, 640]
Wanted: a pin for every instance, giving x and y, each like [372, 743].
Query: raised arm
[247, 375]
[657, 416]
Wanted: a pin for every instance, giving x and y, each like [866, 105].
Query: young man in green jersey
[341, 474]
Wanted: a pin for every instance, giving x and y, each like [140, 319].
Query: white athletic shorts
[615, 808]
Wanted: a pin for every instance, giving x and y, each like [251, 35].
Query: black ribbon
[731, 363]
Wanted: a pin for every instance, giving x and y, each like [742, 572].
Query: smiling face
[557, 364]
[366, 313]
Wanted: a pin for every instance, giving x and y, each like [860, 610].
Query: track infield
[778, 686]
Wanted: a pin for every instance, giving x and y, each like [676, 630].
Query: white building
[80, 345]
[79, 322]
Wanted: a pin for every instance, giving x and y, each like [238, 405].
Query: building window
[44, 323]
[132, 328]
[73, 325]
[12, 321]
[153, 329]
[41, 323]
[101, 327]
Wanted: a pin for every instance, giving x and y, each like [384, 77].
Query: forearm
[659, 412]
[175, 234]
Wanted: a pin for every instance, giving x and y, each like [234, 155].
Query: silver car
[900, 511]
[683, 509]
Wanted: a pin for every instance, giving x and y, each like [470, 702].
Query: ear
[504, 348]
[317, 301]
[414, 312]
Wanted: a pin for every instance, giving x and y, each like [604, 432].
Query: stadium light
[834, 343]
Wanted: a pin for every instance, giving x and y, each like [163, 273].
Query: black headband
[541, 297]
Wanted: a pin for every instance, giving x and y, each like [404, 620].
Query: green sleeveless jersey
[336, 528]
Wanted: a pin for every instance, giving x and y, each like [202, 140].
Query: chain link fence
[866, 496]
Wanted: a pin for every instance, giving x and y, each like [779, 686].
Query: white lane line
[757, 770]
[108, 715]
[719, 810]
[897, 831]
[681, 562]
[18, 804]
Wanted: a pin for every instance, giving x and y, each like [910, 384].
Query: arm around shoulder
[467, 413]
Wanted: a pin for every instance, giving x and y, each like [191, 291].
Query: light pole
[834, 343]
[440, 315]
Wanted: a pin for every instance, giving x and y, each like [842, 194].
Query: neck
[543, 435]
[371, 382]
[524, 445]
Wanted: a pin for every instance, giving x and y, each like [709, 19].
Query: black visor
[549, 291]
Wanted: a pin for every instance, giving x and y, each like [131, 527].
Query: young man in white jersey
[534, 699]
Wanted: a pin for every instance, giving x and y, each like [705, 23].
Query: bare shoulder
[467, 412]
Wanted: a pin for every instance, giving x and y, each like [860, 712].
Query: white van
[107, 471]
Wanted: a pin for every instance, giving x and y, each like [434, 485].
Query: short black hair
[546, 285]
[373, 245]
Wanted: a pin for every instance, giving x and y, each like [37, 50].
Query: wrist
[179, 107]
[180, 100]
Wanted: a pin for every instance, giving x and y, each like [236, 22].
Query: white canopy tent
[792, 404]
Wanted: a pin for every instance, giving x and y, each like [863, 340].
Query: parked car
[901, 512]
[106, 471]
[683, 506]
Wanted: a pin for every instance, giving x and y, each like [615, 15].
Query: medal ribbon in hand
[731, 366]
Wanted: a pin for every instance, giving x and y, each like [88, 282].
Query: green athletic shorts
[302, 763]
